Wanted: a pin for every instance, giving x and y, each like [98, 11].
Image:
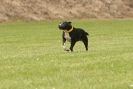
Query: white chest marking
[67, 36]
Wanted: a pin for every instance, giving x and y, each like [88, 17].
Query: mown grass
[31, 56]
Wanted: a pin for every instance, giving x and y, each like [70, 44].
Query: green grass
[31, 56]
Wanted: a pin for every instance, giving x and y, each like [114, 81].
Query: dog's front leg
[64, 45]
[63, 41]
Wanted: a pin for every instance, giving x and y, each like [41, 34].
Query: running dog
[72, 35]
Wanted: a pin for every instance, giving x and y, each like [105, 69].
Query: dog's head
[65, 25]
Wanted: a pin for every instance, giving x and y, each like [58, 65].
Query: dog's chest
[67, 36]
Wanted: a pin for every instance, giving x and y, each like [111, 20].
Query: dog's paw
[64, 47]
[67, 50]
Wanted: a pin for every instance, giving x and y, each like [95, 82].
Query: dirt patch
[60, 9]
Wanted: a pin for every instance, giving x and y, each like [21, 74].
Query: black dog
[74, 35]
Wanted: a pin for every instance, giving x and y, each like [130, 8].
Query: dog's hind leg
[72, 45]
[85, 41]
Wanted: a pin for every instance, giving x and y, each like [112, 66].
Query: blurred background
[62, 9]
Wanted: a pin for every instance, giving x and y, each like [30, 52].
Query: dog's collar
[68, 31]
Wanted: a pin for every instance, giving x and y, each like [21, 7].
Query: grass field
[31, 56]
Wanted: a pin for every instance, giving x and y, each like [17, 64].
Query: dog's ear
[69, 22]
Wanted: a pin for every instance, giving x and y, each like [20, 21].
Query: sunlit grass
[31, 56]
